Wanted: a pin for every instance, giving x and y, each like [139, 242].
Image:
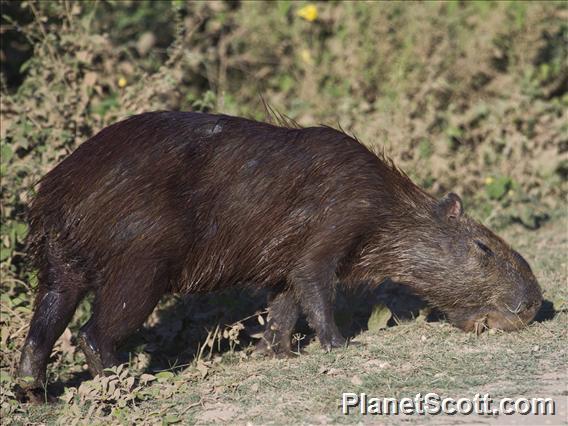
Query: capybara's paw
[31, 372]
[278, 349]
[263, 348]
[32, 394]
[332, 340]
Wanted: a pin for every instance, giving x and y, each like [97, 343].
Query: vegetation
[465, 96]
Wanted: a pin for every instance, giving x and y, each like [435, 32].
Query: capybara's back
[210, 200]
[189, 202]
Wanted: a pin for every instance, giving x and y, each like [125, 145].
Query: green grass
[399, 361]
[464, 96]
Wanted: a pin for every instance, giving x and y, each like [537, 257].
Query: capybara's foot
[31, 371]
[264, 350]
[33, 395]
[273, 345]
[331, 339]
[31, 384]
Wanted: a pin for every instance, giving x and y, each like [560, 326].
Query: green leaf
[5, 253]
[5, 377]
[145, 378]
[379, 318]
[498, 187]
[425, 149]
[6, 153]
[163, 376]
[21, 230]
[170, 419]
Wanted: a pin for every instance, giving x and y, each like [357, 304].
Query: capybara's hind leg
[119, 309]
[61, 287]
[283, 313]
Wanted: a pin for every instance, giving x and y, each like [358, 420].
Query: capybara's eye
[484, 248]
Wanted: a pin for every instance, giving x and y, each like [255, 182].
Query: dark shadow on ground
[546, 311]
[177, 330]
[353, 308]
[175, 340]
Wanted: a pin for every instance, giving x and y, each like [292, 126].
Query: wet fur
[188, 202]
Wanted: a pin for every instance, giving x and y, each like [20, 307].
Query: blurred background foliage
[465, 96]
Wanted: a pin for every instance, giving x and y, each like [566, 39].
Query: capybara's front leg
[283, 313]
[314, 287]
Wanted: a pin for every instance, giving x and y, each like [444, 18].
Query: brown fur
[188, 202]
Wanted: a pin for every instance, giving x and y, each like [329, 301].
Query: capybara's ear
[450, 206]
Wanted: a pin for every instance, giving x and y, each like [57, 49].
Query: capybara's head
[470, 273]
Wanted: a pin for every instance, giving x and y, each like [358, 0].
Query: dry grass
[465, 96]
[403, 360]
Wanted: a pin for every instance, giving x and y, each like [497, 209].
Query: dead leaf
[84, 56]
[4, 335]
[145, 43]
[90, 79]
[375, 363]
[202, 368]
[66, 346]
[331, 371]
[146, 378]
[356, 380]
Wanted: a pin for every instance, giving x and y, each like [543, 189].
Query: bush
[465, 96]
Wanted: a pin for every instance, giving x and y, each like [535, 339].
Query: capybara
[189, 202]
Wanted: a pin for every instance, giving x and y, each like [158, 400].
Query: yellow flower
[489, 180]
[306, 56]
[308, 12]
[122, 82]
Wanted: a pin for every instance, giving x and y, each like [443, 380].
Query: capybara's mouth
[500, 319]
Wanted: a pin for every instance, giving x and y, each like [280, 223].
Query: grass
[465, 96]
[400, 361]
[403, 360]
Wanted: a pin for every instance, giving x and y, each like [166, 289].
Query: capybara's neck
[404, 233]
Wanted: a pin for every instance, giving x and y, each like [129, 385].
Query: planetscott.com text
[433, 404]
